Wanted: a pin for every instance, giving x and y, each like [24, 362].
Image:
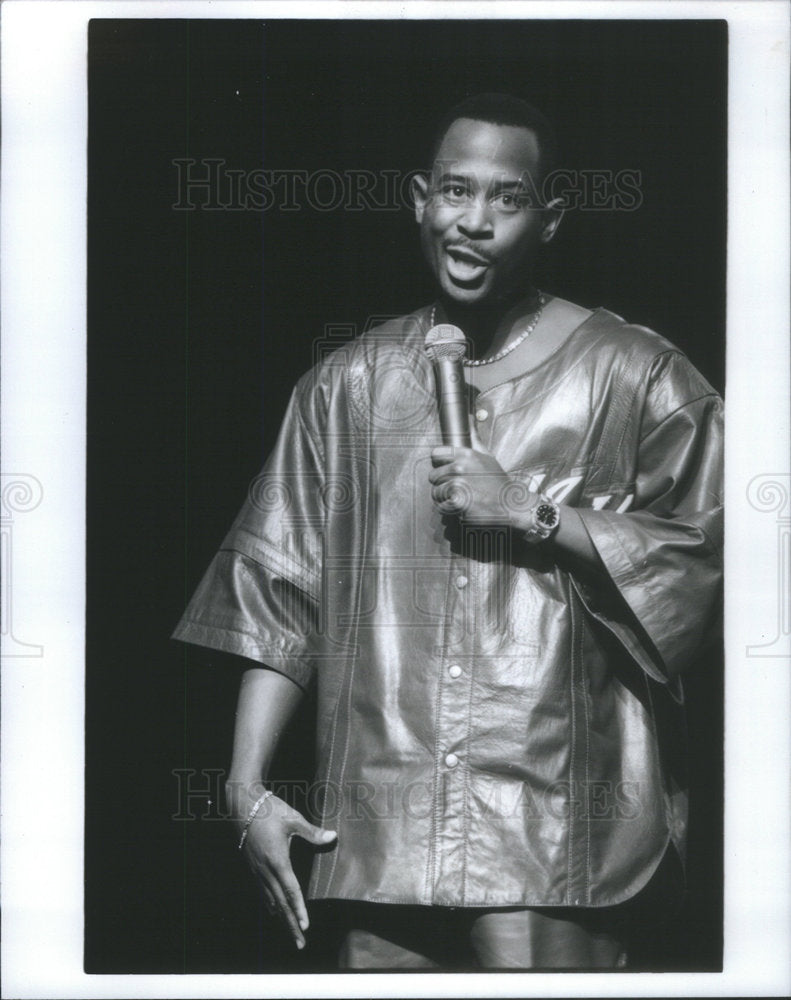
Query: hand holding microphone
[464, 481]
[467, 479]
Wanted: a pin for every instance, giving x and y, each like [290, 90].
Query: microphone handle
[454, 419]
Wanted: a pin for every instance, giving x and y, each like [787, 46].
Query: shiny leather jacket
[494, 728]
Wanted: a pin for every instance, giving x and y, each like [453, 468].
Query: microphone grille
[445, 341]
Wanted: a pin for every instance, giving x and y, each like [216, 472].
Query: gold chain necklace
[513, 345]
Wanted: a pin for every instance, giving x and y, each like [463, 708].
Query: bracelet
[251, 816]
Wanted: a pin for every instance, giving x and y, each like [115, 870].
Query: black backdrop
[200, 321]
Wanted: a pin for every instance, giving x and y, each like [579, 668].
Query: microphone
[446, 346]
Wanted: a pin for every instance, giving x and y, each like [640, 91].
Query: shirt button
[481, 414]
[455, 670]
[451, 760]
[461, 581]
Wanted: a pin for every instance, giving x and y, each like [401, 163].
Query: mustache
[468, 245]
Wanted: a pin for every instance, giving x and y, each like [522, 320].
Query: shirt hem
[510, 901]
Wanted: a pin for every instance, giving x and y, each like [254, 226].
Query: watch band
[545, 520]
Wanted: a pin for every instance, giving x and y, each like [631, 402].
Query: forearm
[572, 539]
[267, 701]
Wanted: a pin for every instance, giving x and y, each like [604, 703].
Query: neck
[488, 327]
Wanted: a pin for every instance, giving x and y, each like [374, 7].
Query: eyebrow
[454, 177]
[497, 184]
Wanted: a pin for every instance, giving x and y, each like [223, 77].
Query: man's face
[480, 228]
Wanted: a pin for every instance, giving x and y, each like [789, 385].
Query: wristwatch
[546, 518]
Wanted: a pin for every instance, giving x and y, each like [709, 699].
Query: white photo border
[44, 91]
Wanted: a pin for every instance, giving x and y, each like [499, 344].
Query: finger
[445, 453]
[287, 883]
[441, 494]
[444, 472]
[291, 887]
[272, 898]
[286, 913]
[450, 500]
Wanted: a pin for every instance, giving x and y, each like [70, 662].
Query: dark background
[200, 321]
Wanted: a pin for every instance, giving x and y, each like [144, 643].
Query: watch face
[547, 515]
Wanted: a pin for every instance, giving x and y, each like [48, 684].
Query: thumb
[314, 834]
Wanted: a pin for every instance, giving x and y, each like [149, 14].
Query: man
[497, 632]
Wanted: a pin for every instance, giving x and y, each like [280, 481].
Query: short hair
[503, 109]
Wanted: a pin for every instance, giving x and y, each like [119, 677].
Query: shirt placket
[456, 666]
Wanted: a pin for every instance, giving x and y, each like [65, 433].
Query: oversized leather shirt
[494, 728]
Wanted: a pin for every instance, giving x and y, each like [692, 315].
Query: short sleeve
[260, 596]
[665, 554]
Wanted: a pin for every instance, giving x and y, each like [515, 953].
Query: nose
[476, 220]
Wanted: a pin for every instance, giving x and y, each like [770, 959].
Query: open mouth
[464, 265]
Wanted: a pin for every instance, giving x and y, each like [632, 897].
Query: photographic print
[253, 193]
[375, 600]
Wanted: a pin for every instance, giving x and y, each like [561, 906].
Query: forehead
[473, 146]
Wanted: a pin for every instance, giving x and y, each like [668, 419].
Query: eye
[507, 201]
[454, 193]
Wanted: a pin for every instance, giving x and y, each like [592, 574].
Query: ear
[553, 213]
[419, 190]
